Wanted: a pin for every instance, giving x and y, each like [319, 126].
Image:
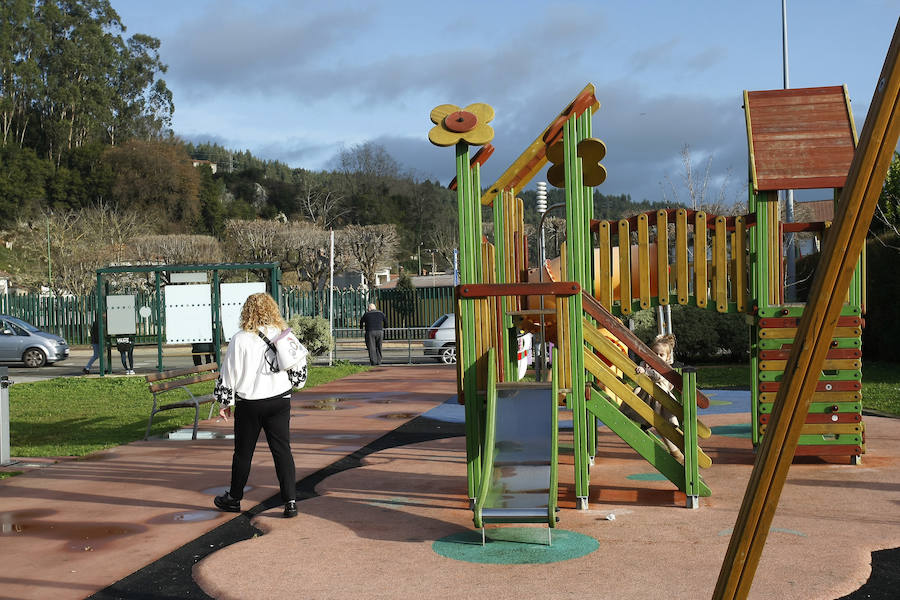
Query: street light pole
[790, 266]
[49, 265]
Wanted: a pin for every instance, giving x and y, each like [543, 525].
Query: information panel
[188, 314]
[120, 315]
[232, 296]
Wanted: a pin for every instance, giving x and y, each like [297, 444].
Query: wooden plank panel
[720, 272]
[701, 283]
[828, 364]
[739, 252]
[831, 397]
[605, 279]
[625, 293]
[644, 261]
[662, 256]
[791, 332]
[681, 256]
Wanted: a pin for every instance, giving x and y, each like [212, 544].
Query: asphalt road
[146, 360]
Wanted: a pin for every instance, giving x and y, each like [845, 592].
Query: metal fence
[71, 317]
[402, 345]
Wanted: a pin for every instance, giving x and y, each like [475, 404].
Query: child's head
[664, 347]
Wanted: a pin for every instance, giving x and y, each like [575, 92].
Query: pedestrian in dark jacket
[373, 322]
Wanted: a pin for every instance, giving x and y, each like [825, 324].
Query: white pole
[331, 298]
[790, 274]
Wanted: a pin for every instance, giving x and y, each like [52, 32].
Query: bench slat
[181, 372]
[182, 382]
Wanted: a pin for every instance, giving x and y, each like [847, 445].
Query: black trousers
[127, 357]
[373, 345]
[274, 417]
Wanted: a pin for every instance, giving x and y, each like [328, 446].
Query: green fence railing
[71, 316]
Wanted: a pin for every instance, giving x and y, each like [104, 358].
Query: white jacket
[246, 370]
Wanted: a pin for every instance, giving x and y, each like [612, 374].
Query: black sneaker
[227, 503]
[290, 509]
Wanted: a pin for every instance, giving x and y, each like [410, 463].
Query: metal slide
[519, 474]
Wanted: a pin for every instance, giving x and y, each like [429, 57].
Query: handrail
[596, 310]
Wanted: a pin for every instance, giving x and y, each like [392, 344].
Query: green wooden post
[689, 426]
[575, 272]
[587, 194]
[466, 326]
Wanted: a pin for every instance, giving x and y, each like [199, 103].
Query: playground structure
[797, 139]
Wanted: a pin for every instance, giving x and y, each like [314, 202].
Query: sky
[298, 81]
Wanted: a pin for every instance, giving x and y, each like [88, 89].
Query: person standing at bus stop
[373, 322]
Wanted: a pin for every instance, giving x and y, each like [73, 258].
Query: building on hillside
[197, 163]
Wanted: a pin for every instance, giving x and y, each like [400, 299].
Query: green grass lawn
[881, 383]
[73, 416]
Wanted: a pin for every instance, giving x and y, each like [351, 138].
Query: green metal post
[159, 323]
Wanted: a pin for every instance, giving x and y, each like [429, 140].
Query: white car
[440, 341]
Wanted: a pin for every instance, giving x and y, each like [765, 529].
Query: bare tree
[444, 240]
[253, 241]
[697, 188]
[177, 249]
[370, 246]
[322, 207]
[80, 242]
[308, 252]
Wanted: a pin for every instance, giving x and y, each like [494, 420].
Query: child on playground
[664, 347]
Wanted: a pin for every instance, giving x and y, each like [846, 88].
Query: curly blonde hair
[259, 310]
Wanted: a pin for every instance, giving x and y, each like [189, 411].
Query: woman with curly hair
[260, 394]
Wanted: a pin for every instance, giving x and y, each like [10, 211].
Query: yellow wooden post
[701, 283]
[625, 293]
[644, 261]
[831, 282]
[662, 256]
[681, 256]
[739, 254]
[720, 275]
[604, 281]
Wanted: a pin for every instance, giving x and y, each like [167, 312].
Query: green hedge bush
[701, 335]
[313, 332]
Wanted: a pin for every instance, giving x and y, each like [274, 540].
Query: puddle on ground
[187, 434]
[191, 516]
[397, 415]
[79, 537]
[325, 404]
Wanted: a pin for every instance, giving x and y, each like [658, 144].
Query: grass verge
[74, 416]
[880, 383]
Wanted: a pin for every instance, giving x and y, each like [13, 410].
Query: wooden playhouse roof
[799, 138]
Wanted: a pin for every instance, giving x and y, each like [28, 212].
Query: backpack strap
[271, 347]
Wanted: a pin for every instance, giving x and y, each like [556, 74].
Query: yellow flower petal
[479, 136]
[483, 112]
[442, 137]
[439, 112]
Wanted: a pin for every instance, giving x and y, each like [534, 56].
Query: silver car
[21, 341]
[440, 340]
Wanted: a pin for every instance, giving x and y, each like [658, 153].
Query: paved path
[74, 528]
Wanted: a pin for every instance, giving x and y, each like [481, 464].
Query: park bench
[178, 380]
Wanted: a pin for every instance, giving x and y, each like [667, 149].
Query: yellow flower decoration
[453, 124]
[591, 151]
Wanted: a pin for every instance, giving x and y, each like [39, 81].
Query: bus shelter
[192, 303]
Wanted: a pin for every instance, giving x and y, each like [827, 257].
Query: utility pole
[790, 260]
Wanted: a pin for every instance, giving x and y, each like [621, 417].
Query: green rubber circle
[739, 431]
[515, 546]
